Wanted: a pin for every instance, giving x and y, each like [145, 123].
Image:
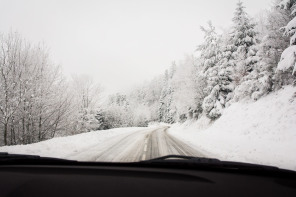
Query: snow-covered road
[143, 144]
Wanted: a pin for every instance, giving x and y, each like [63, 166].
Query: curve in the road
[140, 145]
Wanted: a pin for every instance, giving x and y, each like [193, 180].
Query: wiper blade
[4, 156]
[174, 161]
[183, 157]
[8, 158]
[209, 163]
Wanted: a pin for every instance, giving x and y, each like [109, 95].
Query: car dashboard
[145, 181]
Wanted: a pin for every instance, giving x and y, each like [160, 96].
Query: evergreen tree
[243, 37]
[264, 78]
[165, 110]
[208, 50]
[288, 57]
[248, 76]
[161, 107]
[226, 70]
[209, 55]
[169, 116]
[269, 51]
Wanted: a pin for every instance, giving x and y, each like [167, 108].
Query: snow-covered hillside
[62, 147]
[261, 132]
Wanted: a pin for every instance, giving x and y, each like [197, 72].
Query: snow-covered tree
[269, 52]
[243, 37]
[288, 57]
[86, 99]
[166, 111]
[209, 49]
[34, 102]
[250, 79]
[209, 55]
[226, 69]
[185, 95]
[264, 78]
[118, 111]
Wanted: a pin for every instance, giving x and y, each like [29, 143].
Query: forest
[246, 61]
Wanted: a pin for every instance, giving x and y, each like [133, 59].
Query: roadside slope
[261, 132]
[61, 147]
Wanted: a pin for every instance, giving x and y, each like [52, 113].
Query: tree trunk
[5, 134]
[39, 128]
[23, 130]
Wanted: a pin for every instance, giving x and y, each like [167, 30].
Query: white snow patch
[158, 124]
[262, 132]
[61, 147]
[290, 28]
[288, 59]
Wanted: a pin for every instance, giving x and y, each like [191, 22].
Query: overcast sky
[119, 43]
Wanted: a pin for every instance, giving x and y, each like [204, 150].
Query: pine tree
[243, 37]
[161, 107]
[249, 78]
[264, 78]
[210, 57]
[288, 57]
[269, 51]
[170, 112]
[208, 50]
[166, 112]
[226, 70]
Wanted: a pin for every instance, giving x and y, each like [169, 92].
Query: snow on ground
[61, 147]
[262, 132]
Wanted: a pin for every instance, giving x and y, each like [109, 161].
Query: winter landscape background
[237, 88]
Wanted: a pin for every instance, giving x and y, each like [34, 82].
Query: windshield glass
[127, 81]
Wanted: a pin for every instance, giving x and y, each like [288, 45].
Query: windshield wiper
[169, 161]
[209, 163]
[9, 158]
[187, 158]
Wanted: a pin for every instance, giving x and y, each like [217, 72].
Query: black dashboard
[131, 180]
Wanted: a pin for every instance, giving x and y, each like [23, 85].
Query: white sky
[119, 43]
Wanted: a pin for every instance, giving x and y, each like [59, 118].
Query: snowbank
[262, 132]
[158, 124]
[61, 147]
[288, 58]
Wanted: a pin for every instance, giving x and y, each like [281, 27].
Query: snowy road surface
[142, 144]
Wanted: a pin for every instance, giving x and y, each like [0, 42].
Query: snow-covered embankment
[61, 147]
[261, 132]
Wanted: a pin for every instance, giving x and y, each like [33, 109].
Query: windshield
[127, 81]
